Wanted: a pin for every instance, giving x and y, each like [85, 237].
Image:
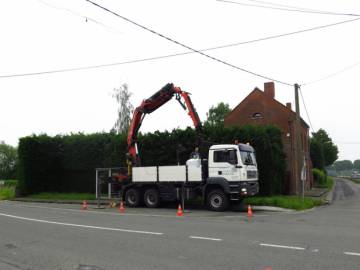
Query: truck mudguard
[218, 181]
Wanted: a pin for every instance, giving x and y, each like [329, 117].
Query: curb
[106, 202]
[330, 196]
[271, 208]
[92, 202]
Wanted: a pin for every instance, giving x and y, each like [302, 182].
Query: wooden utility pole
[298, 145]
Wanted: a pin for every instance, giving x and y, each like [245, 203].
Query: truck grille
[251, 174]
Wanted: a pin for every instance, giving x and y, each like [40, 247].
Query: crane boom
[151, 104]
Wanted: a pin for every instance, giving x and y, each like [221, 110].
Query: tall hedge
[67, 163]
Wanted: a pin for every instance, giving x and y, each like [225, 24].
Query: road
[50, 236]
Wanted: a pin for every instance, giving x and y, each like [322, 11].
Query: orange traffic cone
[121, 208]
[84, 205]
[179, 212]
[249, 212]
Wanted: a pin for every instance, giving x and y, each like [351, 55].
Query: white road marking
[79, 225]
[205, 238]
[281, 246]
[352, 253]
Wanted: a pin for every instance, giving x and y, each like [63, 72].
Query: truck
[227, 174]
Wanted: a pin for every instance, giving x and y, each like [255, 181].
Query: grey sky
[52, 34]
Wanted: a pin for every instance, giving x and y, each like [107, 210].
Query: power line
[332, 74]
[307, 113]
[87, 18]
[187, 47]
[303, 9]
[294, 9]
[177, 54]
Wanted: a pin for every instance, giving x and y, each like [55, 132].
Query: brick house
[261, 108]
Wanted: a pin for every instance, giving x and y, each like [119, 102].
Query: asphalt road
[49, 236]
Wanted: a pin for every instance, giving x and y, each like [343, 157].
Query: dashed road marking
[205, 238]
[281, 246]
[352, 253]
[79, 225]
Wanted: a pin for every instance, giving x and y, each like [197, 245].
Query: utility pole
[298, 144]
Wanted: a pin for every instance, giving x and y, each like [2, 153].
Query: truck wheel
[152, 198]
[132, 197]
[217, 200]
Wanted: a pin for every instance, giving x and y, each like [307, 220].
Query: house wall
[261, 108]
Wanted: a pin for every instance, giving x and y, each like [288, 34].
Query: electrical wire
[294, 9]
[87, 18]
[307, 113]
[176, 54]
[332, 74]
[186, 46]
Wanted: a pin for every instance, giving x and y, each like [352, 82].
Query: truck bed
[167, 174]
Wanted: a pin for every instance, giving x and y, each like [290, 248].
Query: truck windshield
[248, 158]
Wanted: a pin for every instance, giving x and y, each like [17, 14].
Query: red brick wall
[273, 113]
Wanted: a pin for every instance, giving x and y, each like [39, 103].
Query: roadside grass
[355, 180]
[7, 193]
[62, 196]
[290, 202]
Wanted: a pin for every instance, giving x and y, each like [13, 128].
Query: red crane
[149, 105]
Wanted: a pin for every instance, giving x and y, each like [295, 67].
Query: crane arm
[153, 103]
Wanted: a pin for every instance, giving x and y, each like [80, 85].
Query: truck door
[224, 162]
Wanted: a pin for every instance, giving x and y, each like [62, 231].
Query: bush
[67, 163]
[7, 193]
[319, 177]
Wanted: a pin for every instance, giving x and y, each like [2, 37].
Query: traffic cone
[179, 212]
[84, 205]
[121, 208]
[249, 212]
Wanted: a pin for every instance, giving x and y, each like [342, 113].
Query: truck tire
[216, 200]
[132, 197]
[152, 198]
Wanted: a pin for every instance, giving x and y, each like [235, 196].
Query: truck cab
[232, 172]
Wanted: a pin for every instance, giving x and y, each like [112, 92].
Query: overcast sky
[46, 35]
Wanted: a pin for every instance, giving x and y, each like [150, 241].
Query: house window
[256, 115]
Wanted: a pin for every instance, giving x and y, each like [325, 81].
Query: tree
[343, 165]
[8, 161]
[217, 113]
[323, 148]
[317, 154]
[125, 109]
[357, 164]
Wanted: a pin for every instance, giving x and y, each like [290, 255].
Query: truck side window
[228, 156]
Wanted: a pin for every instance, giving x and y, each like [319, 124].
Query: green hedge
[319, 177]
[67, 163]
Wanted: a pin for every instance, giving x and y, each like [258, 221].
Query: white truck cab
[233, 162]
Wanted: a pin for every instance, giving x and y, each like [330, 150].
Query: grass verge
[290, 202]
[62, 196]
[7, 193]
[356, 181]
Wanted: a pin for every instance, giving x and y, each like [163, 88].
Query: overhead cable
[332, 74]
[290, 9]
[307, 113]
[186, 46]
[176, 54]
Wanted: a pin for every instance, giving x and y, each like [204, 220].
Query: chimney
[269, 89]
[288, 105]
